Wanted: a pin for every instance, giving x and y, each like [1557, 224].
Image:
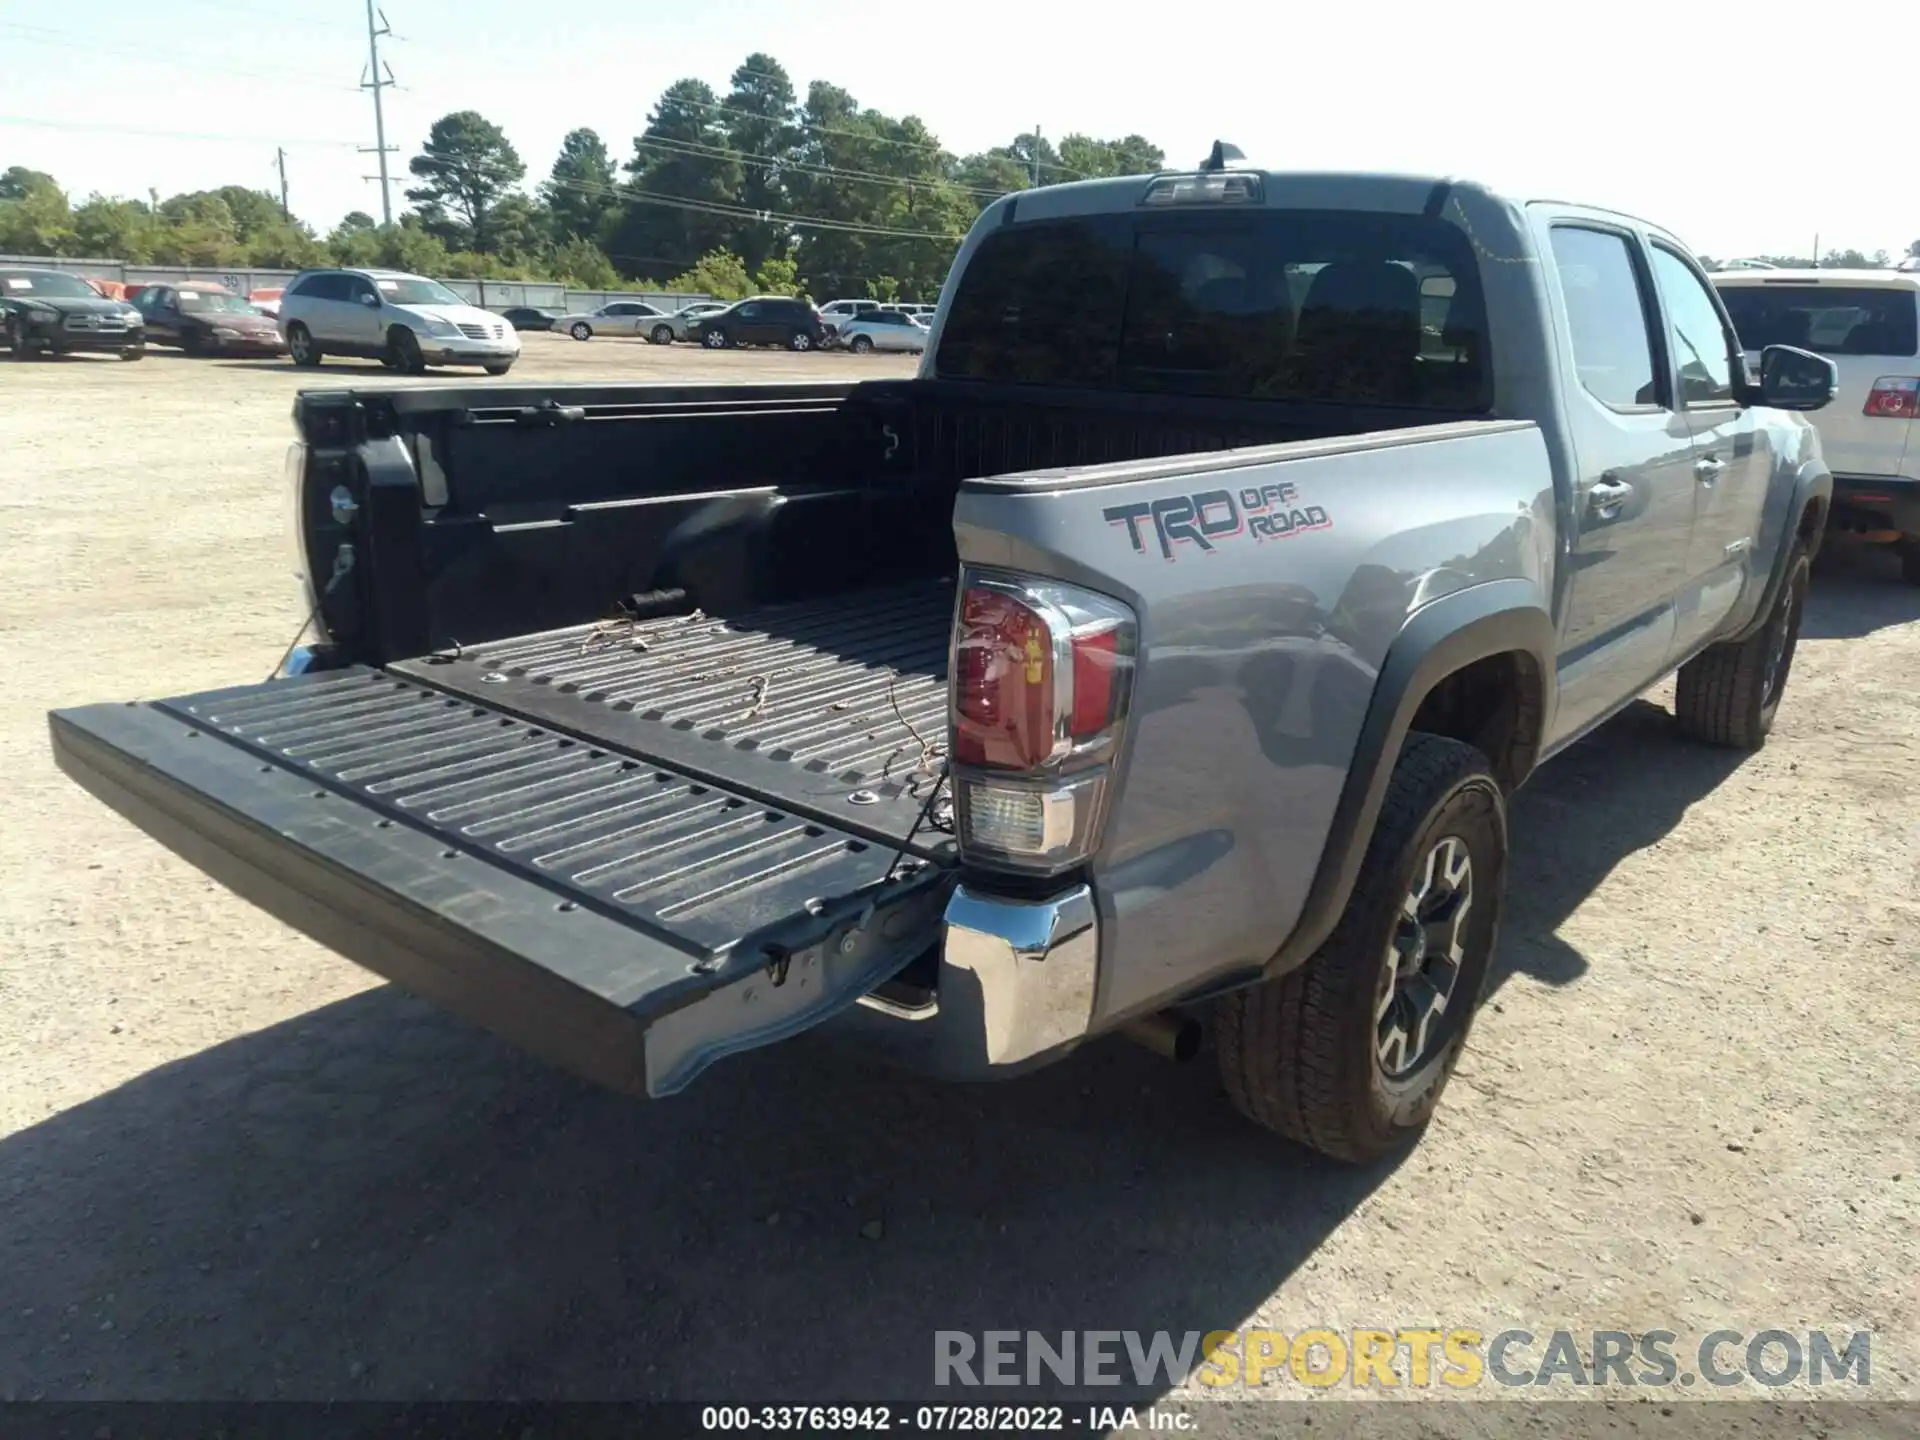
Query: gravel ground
[234, 1166]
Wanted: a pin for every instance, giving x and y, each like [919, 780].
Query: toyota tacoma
[1165, 653]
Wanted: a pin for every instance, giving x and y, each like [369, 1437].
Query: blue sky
[1652, 108]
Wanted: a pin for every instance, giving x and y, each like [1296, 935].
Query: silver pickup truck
[1165, 652]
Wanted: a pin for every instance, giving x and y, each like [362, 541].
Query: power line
[717, 152]
[730, 210]
[930, 147]
[857, 135]
[221, 137]
[59, 39]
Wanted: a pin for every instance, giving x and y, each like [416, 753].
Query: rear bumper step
[609, 915]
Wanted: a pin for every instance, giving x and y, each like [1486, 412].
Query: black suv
[52, 312]
[763, 320]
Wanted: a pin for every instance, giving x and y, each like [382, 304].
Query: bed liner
[833, 708]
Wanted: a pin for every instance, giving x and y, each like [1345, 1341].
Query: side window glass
[1606, 316]
[749, 312]
[1699, 339]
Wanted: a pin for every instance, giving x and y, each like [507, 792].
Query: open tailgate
[609, 914]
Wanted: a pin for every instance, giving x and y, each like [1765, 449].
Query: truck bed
[833, 708]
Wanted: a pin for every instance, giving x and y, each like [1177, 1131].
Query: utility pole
[1816, 249]
[378, 79]
[285, 213]
[1033, 159]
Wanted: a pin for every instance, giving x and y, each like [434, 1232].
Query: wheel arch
[1802, 521]
[1476, 665]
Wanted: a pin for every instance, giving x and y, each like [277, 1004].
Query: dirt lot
[231, 1165]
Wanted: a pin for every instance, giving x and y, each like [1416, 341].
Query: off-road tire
[1299, 1054]
[1729, 693]
[1910, 560]
[302, 348]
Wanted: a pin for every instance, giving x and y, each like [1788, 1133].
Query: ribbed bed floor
[836, 707]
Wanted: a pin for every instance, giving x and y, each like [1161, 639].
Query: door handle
[1605, 497]
[1707, 469]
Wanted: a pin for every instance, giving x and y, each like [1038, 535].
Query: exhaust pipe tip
[1167, 1033]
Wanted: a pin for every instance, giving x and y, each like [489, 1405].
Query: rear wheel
[580, 330]
[404, 346]
[1350, 1053]
[799, 340]
[134, 352]
[1729, 693]
[498, 369]
[861, 345]
[662, 335]
[301, 346]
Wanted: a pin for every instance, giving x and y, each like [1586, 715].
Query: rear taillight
[1042, 674]
[1894, 397]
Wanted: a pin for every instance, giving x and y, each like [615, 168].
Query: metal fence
[488, 294]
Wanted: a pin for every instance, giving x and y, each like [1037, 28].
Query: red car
[205, 319]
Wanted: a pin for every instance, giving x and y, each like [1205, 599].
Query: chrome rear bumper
[1015, 990]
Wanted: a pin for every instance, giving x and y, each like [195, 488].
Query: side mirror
[372, 302]
[1796, 379]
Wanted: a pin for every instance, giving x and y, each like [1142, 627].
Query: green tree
[126, 229]
[580, 191]
[582, 263]
[759, 121]
[777, 275]
[17, 182]
[681, 179]
[357, 220]
[465, 168]
[718, 273]
[1083, 157]
[35, 218]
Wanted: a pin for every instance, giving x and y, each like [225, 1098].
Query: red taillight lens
[1096, 660]
[1894, 397]
[1003, 683]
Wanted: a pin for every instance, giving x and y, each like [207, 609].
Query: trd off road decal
[1266, 512]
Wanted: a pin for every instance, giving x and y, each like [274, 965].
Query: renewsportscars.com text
[1458, 1359]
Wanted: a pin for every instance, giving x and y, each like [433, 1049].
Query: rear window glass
[1832, 319]
[1308, 306]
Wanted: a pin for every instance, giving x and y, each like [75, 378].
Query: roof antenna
[1222, 155]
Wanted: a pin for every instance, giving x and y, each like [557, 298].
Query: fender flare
[1499, 617]
[1813, 482]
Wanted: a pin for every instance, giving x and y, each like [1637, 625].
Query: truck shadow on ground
[374, 1200]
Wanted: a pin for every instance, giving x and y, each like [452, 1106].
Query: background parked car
[838, 312]
[51, 312]
[681, 319]
[762, 320]
[206, 320]
[1868, 323]
[407, 322]
[266, 301]
[619, 317]
[883, 330]
[527, 317]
